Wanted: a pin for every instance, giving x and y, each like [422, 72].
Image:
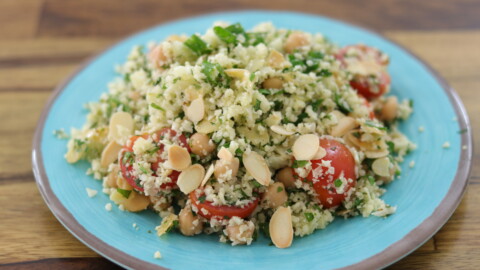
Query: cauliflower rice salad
[239, 132]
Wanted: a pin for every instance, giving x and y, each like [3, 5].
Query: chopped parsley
[391, 147]
[309, 216]
[374, 124]
[279, 189]
[156, 106]
[197, 45]
[202, 198]
[371, 180]
[256, 184]
[256, 107]
[125, 193]
[264, 91]
[338, 182]
[215, 74]
[299, 163]
[225, 35]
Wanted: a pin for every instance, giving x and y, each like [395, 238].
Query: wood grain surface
[41, 42]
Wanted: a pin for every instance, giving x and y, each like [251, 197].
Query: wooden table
[42, 41]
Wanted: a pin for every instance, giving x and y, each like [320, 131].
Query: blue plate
[425, 195]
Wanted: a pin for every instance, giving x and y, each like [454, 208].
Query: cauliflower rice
[219, 133]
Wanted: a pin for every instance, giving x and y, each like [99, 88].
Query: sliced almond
[305, 147]
[120, 127]
[381, 166]
[110, 153]
[167, 223]
[281, 130]
[344, 125]
[191, 178]
[208, 174]
[225, 154]
[338, 114]
[281, 228]
[321, 152]
[376, 154]
[257, 167]
[205, 127]
[179, 158]
[196, 111]
[276, 59]
[237, 73]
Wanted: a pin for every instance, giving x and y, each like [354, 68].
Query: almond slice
[281, 228]
[178, 158]
[257, 167]
[110, 153]
[237, 73]
[305, 147]
[196, 110]
[191, 178]
[208, 174]
[376, 154]
[281, 130]
[225, 154]
[381, 166]
[344, 125]
[321, 152]
[120, 127]
[205, 127]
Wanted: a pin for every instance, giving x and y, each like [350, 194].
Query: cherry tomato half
[343, 163]
[371, 86]
[222, 211]
[127, 157]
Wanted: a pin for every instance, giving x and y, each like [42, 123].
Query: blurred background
[42, 41]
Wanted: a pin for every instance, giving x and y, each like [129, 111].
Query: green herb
[174, 225]
[202, 198]
[256, 107]
[315, 55]
[125, 193]
[77, 143]
[398, 173]
[410, 103]
[156, 106]
[215, 74]
[324, 73]
[239, 151]
[255, 38]
[300, 117]
[279, 189]
[338, 182]
[264, 91]
[277, 105]
[197, 45]
[224, 35]
[358, 202]
[316, 105]
[176, 79]
[235, 28]
[252, 76]
[128, 158]
[316, 207]
[391, 147]
[153, 150]
[145, 171]
[462, 131]
[371, 123]
[60, 134]
[309, 216]
[256, 184]
[371, 180]
[280, 92]
[158, 81]
[299, 163]
[341, 104]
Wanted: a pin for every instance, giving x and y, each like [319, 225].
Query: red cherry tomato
[127, 157]
[222, 211]
[343, 163]
[371, 86]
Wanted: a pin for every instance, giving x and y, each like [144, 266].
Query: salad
[240, 133]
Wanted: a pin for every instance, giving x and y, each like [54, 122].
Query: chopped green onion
[202, 198]
[197, 45]
[224, 35]
[299, 163]
[125, 193]
[338, 183]
[309, 216]
[264, 91]
[156, 106]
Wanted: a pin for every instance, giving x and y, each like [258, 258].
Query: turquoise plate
[425, 195]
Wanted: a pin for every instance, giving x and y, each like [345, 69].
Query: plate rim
[393, 253]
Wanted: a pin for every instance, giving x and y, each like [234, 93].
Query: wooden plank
[64, 263]
[34, 77]
[117, 18]
[28, 229]
[19, 113]
[19, 18]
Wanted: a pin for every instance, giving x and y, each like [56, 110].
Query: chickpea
[295, 41]
[275, 195]
[201, 145]
[273, 83]
[188, 223]
[134, 203]
[112, 177]
[240, 234]
[285, 176]
[389, 109]
[223, 166]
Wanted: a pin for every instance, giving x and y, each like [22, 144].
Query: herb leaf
[197, 45]
[156, 106]
[309, 216]
[224, 35]
[125, 193]
[299, 163]
[338, 182]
